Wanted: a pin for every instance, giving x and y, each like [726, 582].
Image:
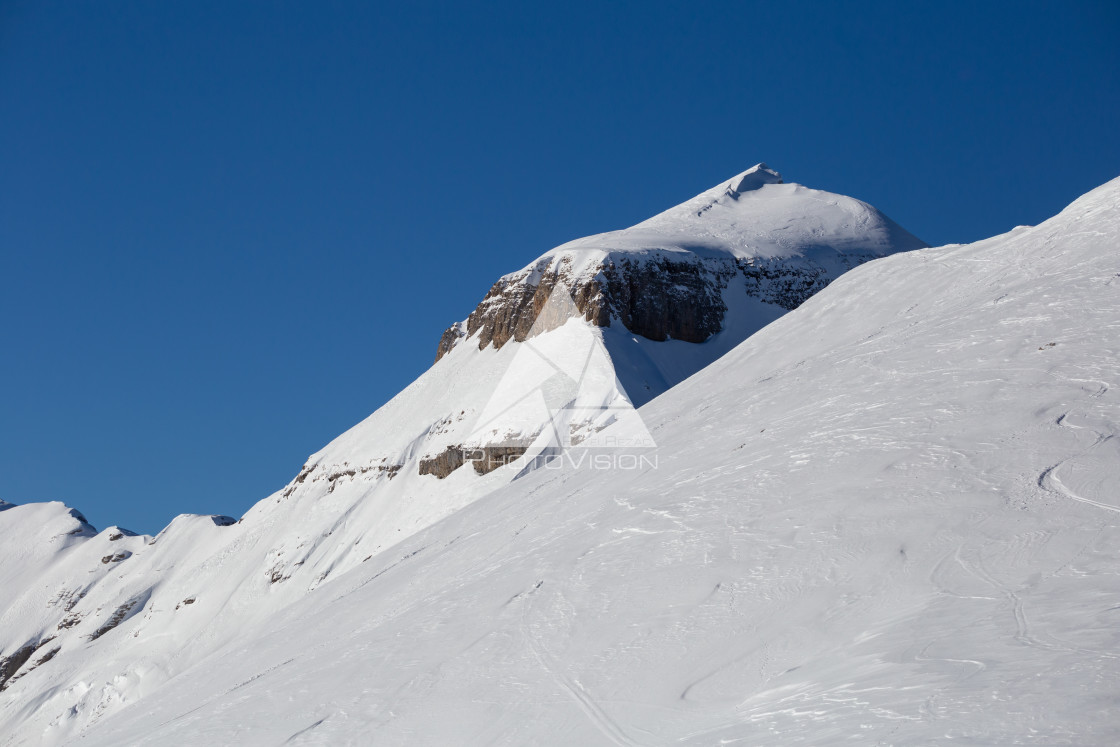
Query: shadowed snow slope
[890, 517]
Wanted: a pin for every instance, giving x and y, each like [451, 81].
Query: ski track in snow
[1050, 479]
[569, 684]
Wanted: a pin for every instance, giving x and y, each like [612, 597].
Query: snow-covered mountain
[711, 270]
[889, 516]
[78, 603]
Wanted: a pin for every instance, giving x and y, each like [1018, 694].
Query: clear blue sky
[229, 231]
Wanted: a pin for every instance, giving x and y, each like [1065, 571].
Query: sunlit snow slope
[890, 517]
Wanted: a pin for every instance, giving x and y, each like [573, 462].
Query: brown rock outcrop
[486, 459]
[656, 296]
[443, 464]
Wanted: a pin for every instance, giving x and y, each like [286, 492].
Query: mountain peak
[753, 178]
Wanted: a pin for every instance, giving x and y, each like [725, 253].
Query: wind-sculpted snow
[890, 517]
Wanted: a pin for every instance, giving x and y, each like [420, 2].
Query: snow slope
[91, 622]
[757, 215]
[890, 517]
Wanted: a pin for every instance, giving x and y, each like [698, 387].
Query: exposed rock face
[785, 284]
[666, 277]
[489, 458]
[9, 665]
[662, 299]
[121, 614]
[443, 464]
[450, 339]
[513, 305]
[656, 296]
[486, 459]
[12, 668]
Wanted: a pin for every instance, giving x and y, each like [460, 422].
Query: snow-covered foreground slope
[77, 604]
[890, 517]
